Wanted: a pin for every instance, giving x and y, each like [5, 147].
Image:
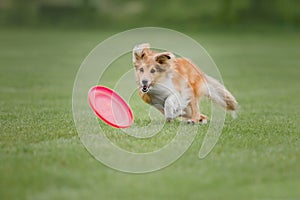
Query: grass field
[257, 156]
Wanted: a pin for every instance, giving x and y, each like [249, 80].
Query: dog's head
[150, 67]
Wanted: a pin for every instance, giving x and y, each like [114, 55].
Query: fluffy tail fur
[220, 95]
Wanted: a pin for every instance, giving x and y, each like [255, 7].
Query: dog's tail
[220, 95]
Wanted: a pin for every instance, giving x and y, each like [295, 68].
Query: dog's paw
[169, 119]
[203, 121]
[189, 121]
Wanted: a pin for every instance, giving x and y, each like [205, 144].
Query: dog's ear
[164, 58]
[140, 52]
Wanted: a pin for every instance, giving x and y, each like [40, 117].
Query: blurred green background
[255, 44]
[178, 14]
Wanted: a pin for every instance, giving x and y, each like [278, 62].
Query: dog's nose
[144, 82]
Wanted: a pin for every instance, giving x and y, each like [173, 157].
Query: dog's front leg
[172, 107]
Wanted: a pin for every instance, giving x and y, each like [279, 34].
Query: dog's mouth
[145, 88]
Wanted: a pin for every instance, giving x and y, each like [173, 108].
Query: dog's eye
[152, 71]
[141, 69]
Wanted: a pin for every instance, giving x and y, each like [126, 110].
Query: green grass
[41, 157]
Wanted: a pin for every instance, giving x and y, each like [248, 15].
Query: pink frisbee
[110, 107]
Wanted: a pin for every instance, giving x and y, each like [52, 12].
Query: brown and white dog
[175, 85]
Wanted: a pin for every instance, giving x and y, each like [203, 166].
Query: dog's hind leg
[195, 110]
[195, 115]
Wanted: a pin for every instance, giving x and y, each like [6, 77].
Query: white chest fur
[160, 92]
[166, 98]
